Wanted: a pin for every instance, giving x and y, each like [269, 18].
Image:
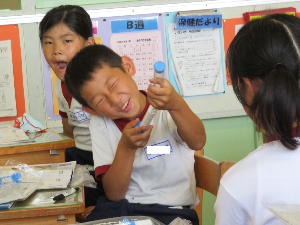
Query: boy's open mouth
[61, 64]
[125, 105]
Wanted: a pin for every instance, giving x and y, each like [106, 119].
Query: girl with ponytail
[264, 65]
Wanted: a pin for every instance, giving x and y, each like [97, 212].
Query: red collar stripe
[67, 96]
[121, 123]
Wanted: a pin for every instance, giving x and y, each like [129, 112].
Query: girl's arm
[67, 129]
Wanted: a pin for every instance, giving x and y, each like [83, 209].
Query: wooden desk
[49, 147]
[63, 212]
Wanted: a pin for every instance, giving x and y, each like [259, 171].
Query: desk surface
[25, 209]
[47, 140]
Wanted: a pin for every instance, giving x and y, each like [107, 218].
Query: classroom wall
[228, 138]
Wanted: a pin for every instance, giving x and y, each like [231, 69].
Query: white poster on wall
[197, 63]
[144, 48]
[7, 87]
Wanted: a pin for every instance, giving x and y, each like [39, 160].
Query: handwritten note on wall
[7, 88]
[196, 58]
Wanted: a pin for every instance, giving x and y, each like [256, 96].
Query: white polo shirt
[156, 179]
[270, 174]
[71, 109]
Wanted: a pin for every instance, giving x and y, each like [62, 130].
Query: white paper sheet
[144, 48]
[11, 135]
[7, 87]
[55, 179]
[16, 192]
[196, 57]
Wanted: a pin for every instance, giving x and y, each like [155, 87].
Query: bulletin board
[219, 105]
[213, 105]
[207, 40]
[11, 32]
[216, 105]
[231, 26]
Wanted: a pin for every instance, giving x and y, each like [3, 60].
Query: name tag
[79, 116]
[158, 149]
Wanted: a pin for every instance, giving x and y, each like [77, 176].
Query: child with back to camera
[136, 183]
[264, 65]
[63, 32]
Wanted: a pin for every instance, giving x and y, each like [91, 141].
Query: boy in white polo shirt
[135, 182]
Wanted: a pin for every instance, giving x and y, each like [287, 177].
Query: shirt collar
[294, 133]
[121, 123]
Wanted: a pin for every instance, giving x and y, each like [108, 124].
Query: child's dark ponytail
[276, 105]
[266, 52]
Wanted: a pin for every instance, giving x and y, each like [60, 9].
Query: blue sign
[198, 22]
[134, 24]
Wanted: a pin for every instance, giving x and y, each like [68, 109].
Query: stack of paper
[55, 179]
[55, 175]
[17, 192]
[11, 135]
[34, 177]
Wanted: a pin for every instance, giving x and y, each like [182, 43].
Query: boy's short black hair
[84, 64]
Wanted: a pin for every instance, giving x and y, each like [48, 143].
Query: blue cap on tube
[159, 67]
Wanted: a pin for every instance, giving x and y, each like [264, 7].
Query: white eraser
[158, 149]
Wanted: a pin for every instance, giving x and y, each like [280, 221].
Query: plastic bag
[128, 220]
[18, 181]
[82, 175]
[28, 124]
[179, 221]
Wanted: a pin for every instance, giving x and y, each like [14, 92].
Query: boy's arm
[67, 128]
[116, 180]
[189, 125]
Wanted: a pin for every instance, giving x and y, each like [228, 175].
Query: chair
[208, 173]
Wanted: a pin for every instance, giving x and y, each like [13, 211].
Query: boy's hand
[164, 97]
[135, 137]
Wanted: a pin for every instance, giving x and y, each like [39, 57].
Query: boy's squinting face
[113, 94]
[60, 44]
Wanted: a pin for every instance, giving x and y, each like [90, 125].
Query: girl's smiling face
[60, 44]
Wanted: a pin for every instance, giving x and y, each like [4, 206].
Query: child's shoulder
[101, 121]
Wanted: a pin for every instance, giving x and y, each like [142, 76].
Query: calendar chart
[139, 37]
[144, 48]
